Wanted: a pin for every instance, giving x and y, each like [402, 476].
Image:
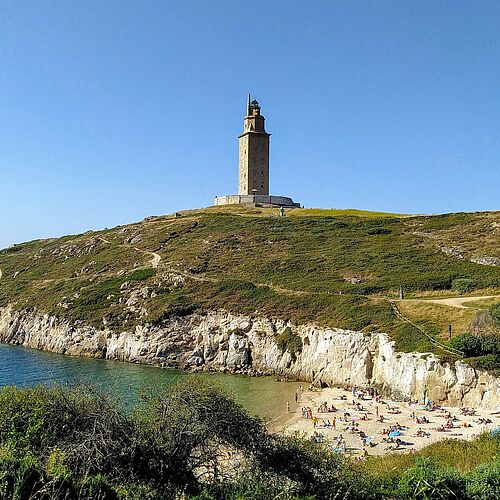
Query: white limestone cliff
[223, 341]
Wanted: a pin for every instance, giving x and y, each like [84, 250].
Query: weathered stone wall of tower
[253, 167]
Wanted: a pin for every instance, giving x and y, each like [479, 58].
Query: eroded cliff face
[227, 342]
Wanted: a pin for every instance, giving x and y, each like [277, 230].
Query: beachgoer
[288, 407]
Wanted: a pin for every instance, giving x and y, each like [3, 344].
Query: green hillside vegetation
[333, 267]
[336, 212]
[192, 441]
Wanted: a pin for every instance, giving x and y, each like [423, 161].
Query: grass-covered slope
[333, 267]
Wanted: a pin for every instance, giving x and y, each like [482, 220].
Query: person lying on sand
[394, 411]
[422, 420]
[422, 433]
[468, 411]
[484, 421]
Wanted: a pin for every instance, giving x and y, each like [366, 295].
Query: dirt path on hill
[155, 257]
[459, 301]
[206, 279]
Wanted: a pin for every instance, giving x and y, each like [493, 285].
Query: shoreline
[399, 416]
[235, 343]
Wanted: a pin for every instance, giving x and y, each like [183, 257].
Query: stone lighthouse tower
[253, 165]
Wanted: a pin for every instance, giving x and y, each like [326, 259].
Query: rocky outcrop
[487, 261]
[227, 342]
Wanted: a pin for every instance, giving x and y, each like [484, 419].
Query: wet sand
[393, 412]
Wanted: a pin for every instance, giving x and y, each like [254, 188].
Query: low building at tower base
[258, 200]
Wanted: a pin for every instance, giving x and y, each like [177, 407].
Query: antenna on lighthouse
[248, 106]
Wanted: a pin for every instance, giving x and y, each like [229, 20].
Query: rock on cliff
[223, 341]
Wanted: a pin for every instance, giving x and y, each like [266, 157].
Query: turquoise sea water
[20, 366]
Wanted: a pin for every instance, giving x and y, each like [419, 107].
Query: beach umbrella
[394, 434]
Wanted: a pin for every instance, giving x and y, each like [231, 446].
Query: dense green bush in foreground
[193, 441]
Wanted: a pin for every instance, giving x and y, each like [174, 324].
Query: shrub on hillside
[141, 274]
[379, 230]
[495, 313]
[488, 362]
[483, 322]
[463, 285]
[476, 345]
[289, 341]
[469, 345]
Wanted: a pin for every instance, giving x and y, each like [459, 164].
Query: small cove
[21, 366]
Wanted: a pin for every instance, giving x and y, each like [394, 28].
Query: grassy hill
[334, 267]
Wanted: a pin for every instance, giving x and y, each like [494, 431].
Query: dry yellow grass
[437, 316]
[483, 304]
[341, 212]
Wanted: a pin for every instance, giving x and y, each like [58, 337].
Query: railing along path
[444, 347]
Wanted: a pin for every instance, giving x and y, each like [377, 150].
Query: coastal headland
[330, 297]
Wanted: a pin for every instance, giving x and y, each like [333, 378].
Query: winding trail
[206, 279]
[155, 257]
[459, 301]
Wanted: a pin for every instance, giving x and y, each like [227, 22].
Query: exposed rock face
[487, 261]
[453, 252]
[222, 341]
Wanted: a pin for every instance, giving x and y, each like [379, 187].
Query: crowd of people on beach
[366, 405]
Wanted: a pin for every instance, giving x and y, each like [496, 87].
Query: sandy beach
[352, 415]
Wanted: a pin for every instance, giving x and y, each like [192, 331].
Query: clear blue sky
[111, 111]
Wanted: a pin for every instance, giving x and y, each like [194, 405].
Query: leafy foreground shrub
[185, 442]
[428, 481]
[77, 443]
